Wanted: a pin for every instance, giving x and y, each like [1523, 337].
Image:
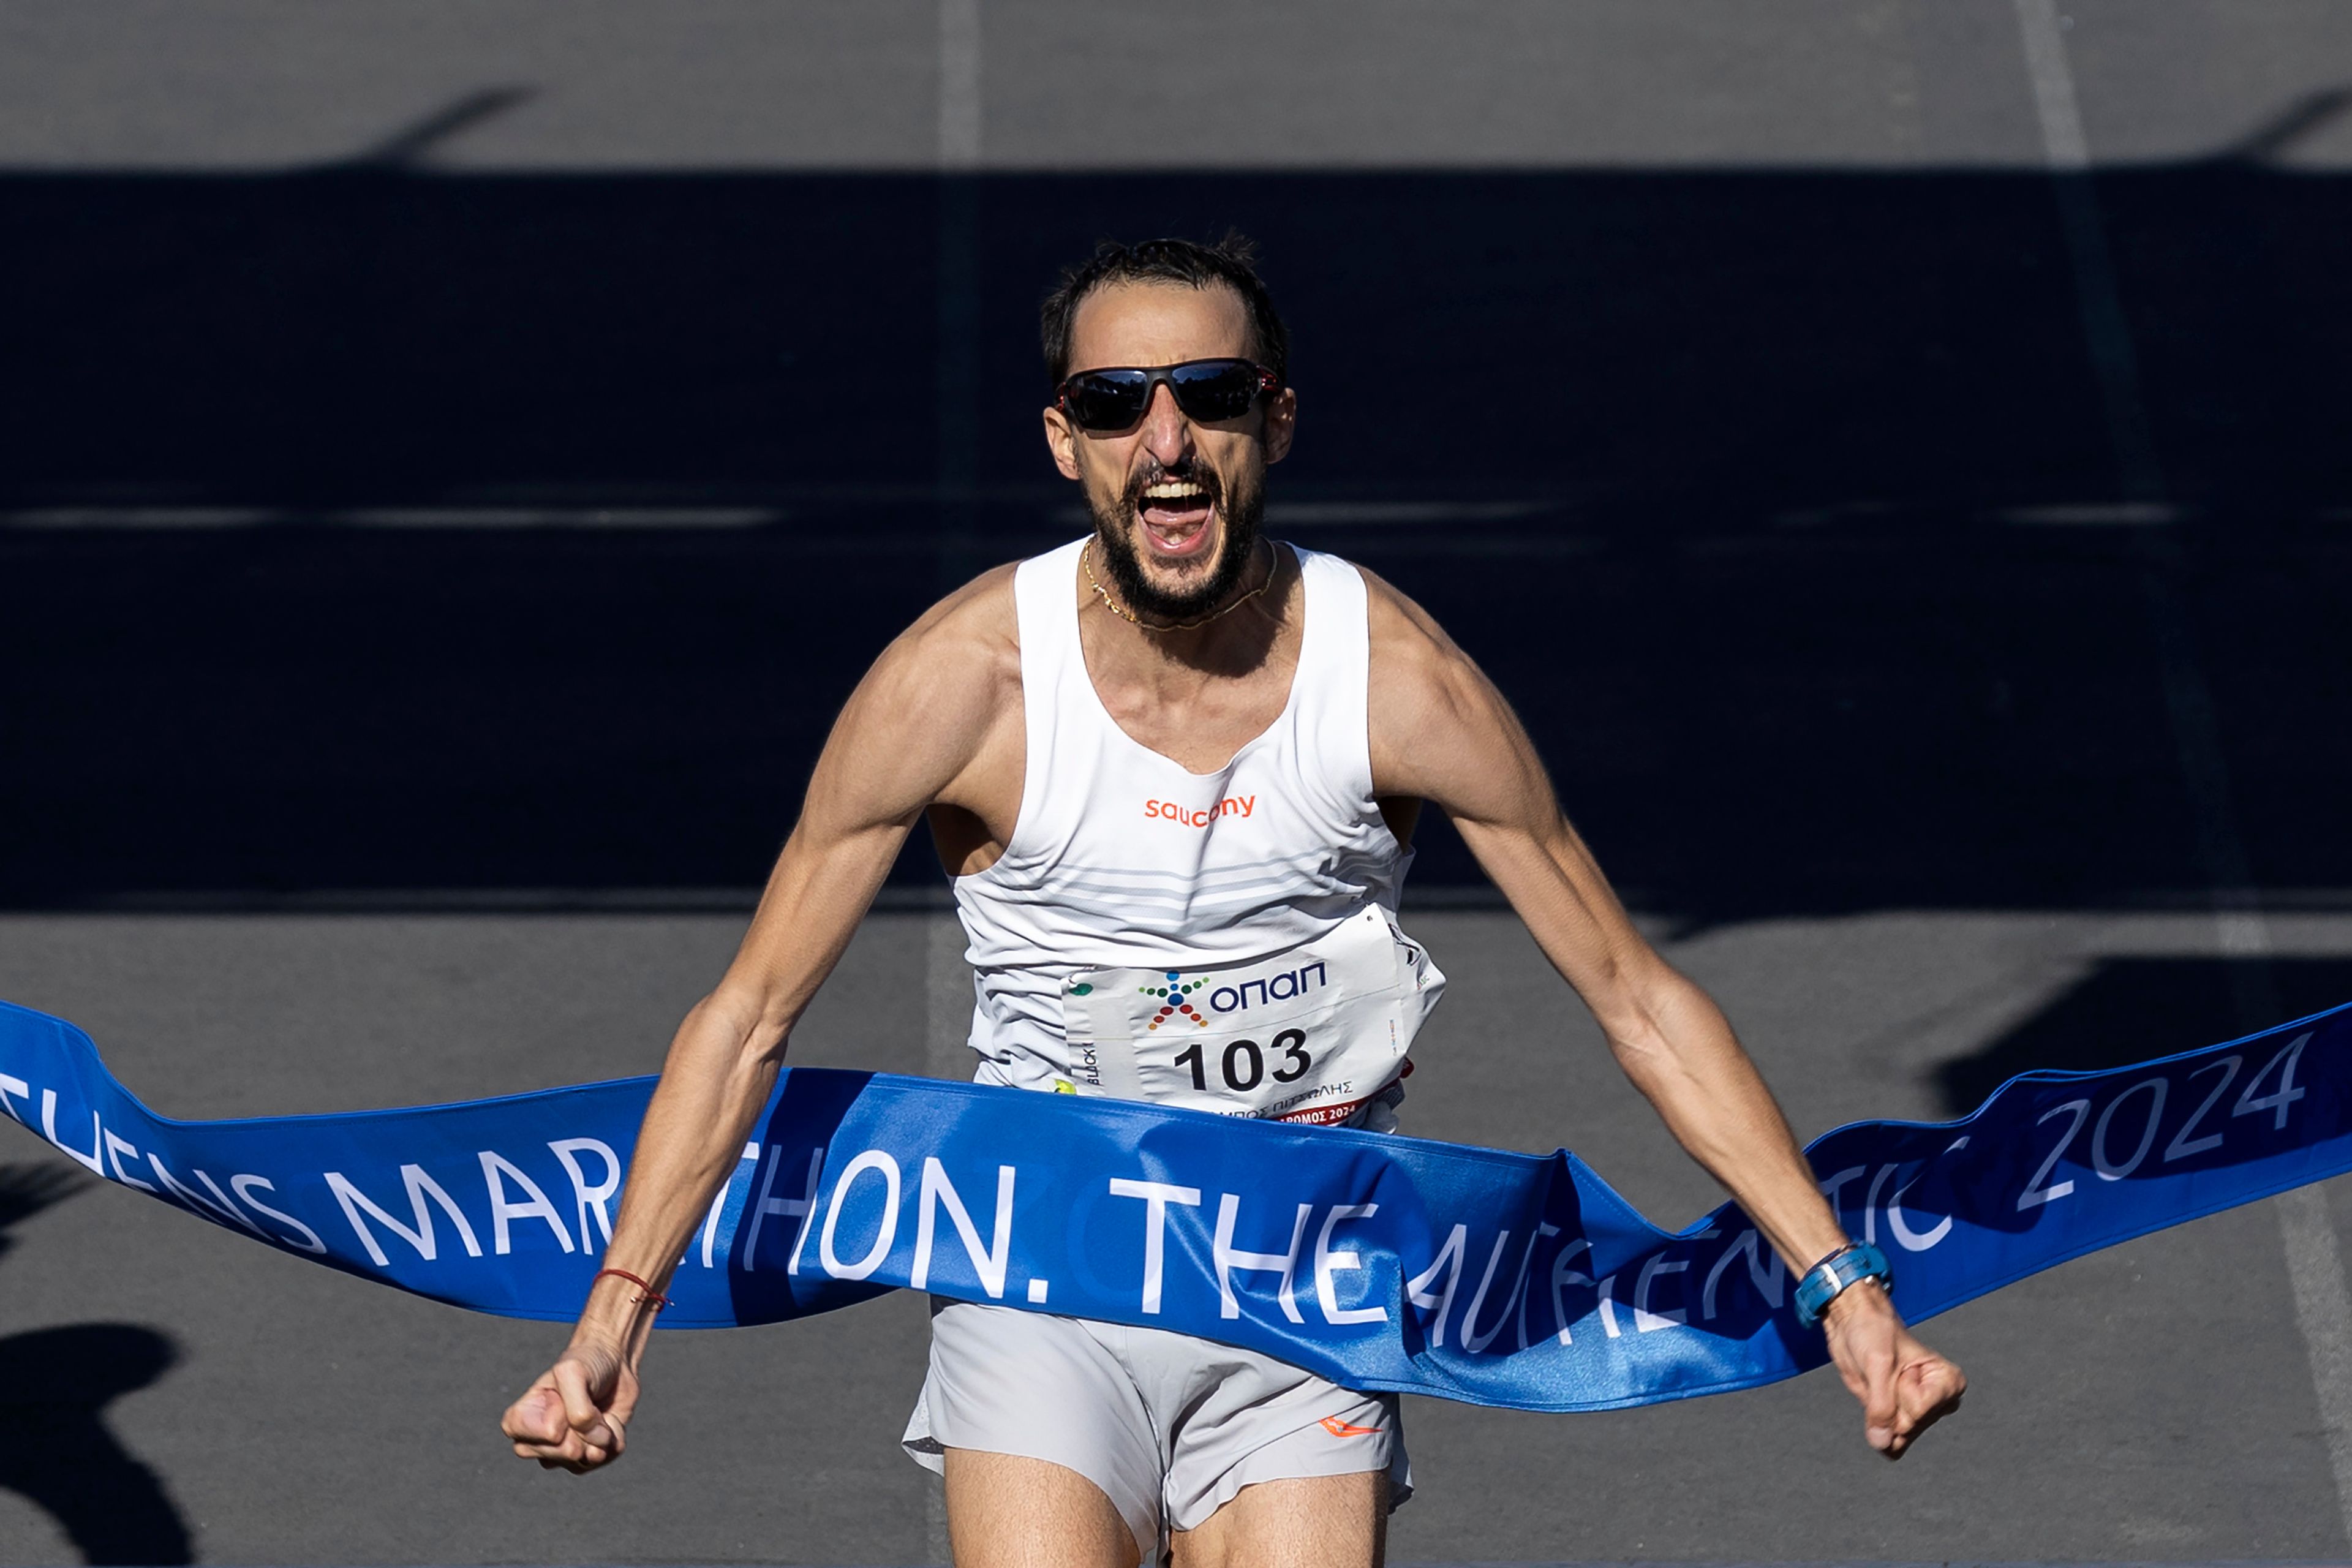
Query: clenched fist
[1903, 1386]
[576, 1416]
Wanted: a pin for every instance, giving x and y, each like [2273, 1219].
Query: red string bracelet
[656, 1296]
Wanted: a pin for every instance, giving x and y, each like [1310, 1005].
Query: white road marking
[2322, 1308]
[2093, 514]
[559, 517]
[2066, 152]
[960, 84]
[961, 109]
[2064, 149]
[2322, 1311]
[155, 516]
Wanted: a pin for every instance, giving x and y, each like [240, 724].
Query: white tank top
[1224, 939]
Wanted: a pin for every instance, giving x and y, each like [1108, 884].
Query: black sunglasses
[1206, 389]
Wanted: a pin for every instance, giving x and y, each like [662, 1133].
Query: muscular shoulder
[1418, 673]
[1433, 714]
[968, 645]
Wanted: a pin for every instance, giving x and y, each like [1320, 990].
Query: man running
[1177, 745]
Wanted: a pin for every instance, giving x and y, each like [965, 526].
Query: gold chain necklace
[1123, 613]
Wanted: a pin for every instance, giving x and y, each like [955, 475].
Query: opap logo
[1172, 1003]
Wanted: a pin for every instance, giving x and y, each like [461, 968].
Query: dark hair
[1231, 261]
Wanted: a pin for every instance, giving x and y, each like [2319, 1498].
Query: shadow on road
[56, 1448]
[2132, 1009]
[1782, 503]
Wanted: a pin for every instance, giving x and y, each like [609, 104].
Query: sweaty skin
[936, 728]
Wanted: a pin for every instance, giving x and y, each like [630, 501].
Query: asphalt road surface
[1891, 451]
[2152, 1402]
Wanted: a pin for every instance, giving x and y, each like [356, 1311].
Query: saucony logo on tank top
[1225, 940]
[1169, 811]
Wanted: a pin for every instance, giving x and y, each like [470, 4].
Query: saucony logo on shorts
[1242, 806]
[1338, 1428]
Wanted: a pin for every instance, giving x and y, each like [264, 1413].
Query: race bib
[1309, 1035]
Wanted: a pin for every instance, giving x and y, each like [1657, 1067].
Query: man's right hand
[574, 1417]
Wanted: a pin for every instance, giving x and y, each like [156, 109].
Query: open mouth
[1176, 514]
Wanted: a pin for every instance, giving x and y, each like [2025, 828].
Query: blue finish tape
[1382, 1262]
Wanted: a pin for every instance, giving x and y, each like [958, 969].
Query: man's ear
[1281, 424]
[1062, 441]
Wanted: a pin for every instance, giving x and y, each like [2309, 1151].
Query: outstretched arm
[930, 712]
[1440, 731]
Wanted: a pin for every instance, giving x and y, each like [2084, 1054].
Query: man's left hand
[1903, 1386]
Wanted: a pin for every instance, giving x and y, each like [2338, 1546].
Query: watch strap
[1827, 1281]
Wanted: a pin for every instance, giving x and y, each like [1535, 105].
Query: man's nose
[1167, 433]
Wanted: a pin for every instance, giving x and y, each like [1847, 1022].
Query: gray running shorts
[1168, 1425]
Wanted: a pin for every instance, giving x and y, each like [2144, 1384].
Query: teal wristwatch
[1825, 1281]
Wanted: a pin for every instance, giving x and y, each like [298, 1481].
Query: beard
[1240, 515]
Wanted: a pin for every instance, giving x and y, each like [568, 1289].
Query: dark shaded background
[1780, 502]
